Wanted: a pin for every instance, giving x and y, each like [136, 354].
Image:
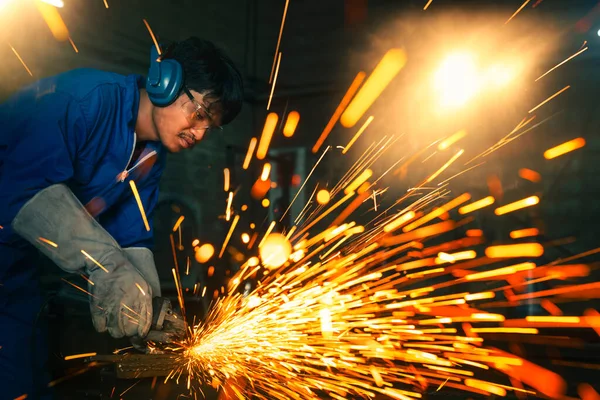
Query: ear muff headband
[164, 81]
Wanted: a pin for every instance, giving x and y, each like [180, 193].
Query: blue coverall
[76, 128]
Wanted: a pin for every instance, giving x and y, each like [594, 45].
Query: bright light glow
[245, 237]
[500, 75]
[457, 80]
[55, 3]
[323, 197]
[598, 32]
[205, 252]
[275, 250]
[265, 203]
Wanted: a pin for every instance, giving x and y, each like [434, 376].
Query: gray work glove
[117, 303]
[143, 260]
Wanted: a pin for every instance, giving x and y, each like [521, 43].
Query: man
[72, 149]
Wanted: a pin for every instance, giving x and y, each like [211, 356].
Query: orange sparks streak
[152, 35]
[77, 287]
[500, 271]
[357, 134]
[339, 110]
[226, 179]
[233, 224]
[443, 168]
[517, 205]
[291, 123]
[446, 143]
[462, 255]
[204, 291]
[438, 212]
[474, 233]
[82, 355]
[425, 8]
[287, 2]
[550, 307]
[139, 287]
[362, 178]
[521, 233]
[476, 205]
[486, 386]
[21, 397]
[515, 250]
[274, 82]
[106, 3]
[179, 221]
[549, 98]
[139, 203]
[49, 242]
[265, 172]
[248, 157]
[420, 233]
[530, 175]
[21, 60]
[351, 207]
[530, 331]
[228, 208]
[541, 379]
[323, 215]
[94, 261]
[267, 134]
[399, 221]
[554, 319]
[516, 12]
[73, 44]
[389, 66]
[564, 148]
[570, 58]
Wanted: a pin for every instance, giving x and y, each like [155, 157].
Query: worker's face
[184, 123]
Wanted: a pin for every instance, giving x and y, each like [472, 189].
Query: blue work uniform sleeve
[39, 141]
[124, 221]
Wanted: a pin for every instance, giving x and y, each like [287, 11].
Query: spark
[94, 260]
[568, 59]
[106, 3]
[446, 143]
[267, 134]
[549, 98]
[516, 12]
[517, 205]
[20, 59]
[226, 179]
[443, 168]
[82, 355]
[273, 85]
[357, 134]
[530, 175]
[248, 157]
[425, 8]
[362, 178]
[48, 242]
[269, 230]
[389, 66]
[140, 288]
[178, 223]
[515, 250]
[233, 224]
[265, 172]
[73, 45]
[521, 233]
[77, 287]
[139, 203]
[152, 36]
[87, 279]
[228, 208]
[291, 123]
[287, 2]
[564, 148]
[339, 110]
[477, 205]
[129, 388]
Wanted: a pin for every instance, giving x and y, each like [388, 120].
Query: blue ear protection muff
[165, 79]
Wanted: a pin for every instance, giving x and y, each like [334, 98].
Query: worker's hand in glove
[122, 299]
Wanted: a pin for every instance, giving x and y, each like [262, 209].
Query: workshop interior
[406, 206]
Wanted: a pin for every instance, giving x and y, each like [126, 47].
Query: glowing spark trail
[21, 60]
[516, 12]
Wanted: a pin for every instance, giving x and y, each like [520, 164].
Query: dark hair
[209, 71]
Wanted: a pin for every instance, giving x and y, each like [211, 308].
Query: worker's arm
[126, 225]
[48, 135]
